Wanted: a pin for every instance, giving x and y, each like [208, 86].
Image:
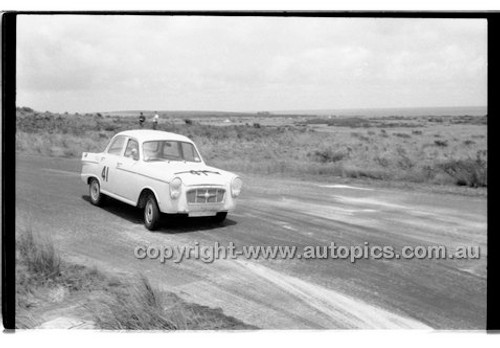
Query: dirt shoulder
[52, 293]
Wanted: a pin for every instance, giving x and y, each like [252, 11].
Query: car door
[108, 162]
[128, 178]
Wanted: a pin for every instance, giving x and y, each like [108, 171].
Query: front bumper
[200, 201]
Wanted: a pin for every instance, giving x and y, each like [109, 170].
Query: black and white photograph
[250, 172]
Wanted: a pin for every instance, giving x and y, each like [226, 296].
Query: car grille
[205, 195]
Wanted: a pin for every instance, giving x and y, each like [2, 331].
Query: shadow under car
[169, 223]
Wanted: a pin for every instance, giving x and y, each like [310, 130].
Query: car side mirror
[135, 155]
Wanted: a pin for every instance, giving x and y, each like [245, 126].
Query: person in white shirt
[155, 120]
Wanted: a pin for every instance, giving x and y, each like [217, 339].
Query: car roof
[143, 135]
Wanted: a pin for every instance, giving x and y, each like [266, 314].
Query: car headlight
[236, 185]
[175, 188]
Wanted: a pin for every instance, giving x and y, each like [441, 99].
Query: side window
[150, 150]
[131, 146]
[116, 146]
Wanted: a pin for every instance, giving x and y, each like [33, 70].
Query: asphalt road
[282, 294]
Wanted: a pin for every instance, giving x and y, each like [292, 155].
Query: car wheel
[151, 213]
[96, 197]
[220, 217]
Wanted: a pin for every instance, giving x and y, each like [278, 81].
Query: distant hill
[173, 113]
[375, 112]
[378, 112]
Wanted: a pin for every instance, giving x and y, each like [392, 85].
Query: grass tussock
[467, 172]
[44, 283]
[402, 135]
[329, 155]
[39, 255]
[140, 306]
[441, 143]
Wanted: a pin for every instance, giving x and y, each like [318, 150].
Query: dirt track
[282, 294]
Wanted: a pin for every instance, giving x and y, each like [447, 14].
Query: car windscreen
[169, 150]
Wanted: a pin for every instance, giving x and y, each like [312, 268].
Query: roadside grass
[140, 306]
[469, 172]
[45, 282]
[39, 256]
[379, 149]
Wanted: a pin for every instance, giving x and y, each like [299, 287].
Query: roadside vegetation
[447, 150]
[48, 287]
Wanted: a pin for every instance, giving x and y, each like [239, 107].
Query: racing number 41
[105, 173]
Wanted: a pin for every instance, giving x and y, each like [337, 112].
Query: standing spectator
[142, 118]
[155, 120]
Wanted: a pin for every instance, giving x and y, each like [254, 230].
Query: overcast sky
[109, 63]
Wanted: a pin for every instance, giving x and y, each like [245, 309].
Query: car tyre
[220, 217]
[96, 197]
[151, 213]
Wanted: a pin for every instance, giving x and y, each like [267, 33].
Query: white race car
[159, 172]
